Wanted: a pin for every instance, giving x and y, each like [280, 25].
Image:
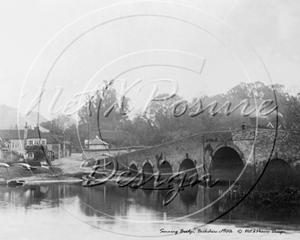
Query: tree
[139, 132]
[292, 114]
[64, 127]
[159, 125]
[111, 116]
[104, 111]
[58, 124]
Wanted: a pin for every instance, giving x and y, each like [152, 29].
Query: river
[70, 211]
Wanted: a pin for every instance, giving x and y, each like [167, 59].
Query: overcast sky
[206, 47]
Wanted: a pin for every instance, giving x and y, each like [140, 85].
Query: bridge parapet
[198, 148]
[264, 144]
[253, 147]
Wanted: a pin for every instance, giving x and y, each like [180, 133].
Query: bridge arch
[187, 166]
[226, 163]
[133, 168]
[165, 169]
[279, 164]
[147, 167]
[278, 174]
[230, 145]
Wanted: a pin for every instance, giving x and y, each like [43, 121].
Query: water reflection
[124, 207]
[28, 196]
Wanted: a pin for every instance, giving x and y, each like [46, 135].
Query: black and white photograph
[149, 119]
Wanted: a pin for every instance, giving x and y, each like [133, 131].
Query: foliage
[65, 128]
[9, 156]
[272, 198]
[58, 124]
[115, 119]
[292, 106]
[159, 125]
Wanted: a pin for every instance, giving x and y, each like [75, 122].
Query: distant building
[110, 138]
[96, 144]
[95, 147]
[57, 147]
[13, 140]
[18, 141]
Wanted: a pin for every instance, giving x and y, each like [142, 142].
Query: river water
[70, 211]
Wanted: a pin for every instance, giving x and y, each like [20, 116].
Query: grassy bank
[39, 173]
[286, 197]
[280, 189]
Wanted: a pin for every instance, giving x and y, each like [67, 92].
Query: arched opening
[147, 169]
[148, 172]
[165, 170]
[187, 167]
[133, 170]
[278, 165]
[277, 175]
[226, 164]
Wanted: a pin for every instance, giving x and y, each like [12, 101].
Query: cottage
[22, 140]
[13, 140]
[110, 138]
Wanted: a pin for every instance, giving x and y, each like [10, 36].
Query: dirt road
[69, 164]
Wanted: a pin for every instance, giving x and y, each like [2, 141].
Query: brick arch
[149, 162]
[279, 156]
[280, 160]
[189, 161]
[165, 169]
[176, 165]
[184, 158]
[230, 145]
[226, 163]
[279, 173]
[135, 164]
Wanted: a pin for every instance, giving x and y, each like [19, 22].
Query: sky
[197, 47]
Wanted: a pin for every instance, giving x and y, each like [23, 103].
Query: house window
[44, 142]
[30, 142]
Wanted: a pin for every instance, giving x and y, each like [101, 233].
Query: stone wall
[254, 148]
[194, 148]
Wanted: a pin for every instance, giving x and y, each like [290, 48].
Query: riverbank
[39, 175]
[62, 170]
[68, 170]
[285, 197]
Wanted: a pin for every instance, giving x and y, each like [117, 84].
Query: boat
[14, 183]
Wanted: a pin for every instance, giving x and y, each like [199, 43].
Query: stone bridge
[222, 154]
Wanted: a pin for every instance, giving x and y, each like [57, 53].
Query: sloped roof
[51, 138]
[35, 134]
[95, 141]
[12, 134]
[15, 134]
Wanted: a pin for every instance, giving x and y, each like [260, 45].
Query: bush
[10, 156]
